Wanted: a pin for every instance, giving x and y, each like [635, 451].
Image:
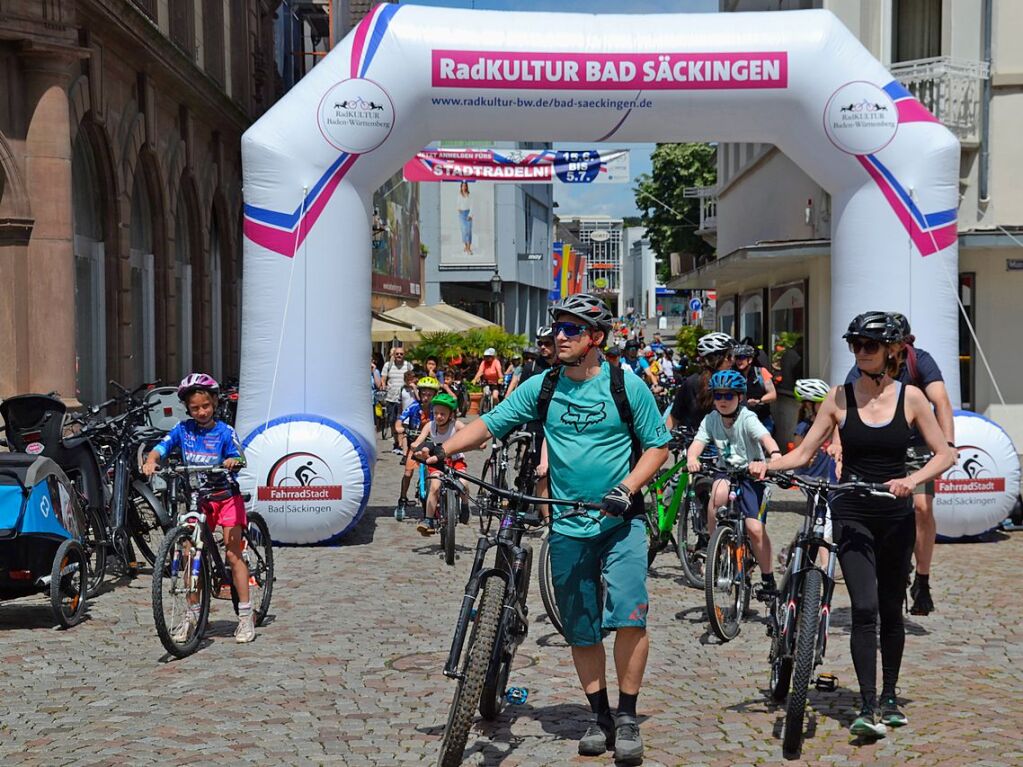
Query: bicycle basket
[33, 419]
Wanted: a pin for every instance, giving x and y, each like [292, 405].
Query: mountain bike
[190, 569]
[494, 603]
[727, 572]
[800, 610]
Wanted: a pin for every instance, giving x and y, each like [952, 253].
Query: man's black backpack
[621, 400]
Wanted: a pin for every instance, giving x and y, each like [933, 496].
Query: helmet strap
[875, 377]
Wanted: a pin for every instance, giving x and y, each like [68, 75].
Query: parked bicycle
[800, 610]
[494, 603]
[190, 568]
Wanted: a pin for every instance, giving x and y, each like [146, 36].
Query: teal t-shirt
[588, 446]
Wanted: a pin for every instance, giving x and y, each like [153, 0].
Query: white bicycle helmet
[490, 351]
[714, 343]
[811, 390]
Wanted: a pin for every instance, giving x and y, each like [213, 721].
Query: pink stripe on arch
[361, 35]
[912, 111]
[927, 242]
[285, 242]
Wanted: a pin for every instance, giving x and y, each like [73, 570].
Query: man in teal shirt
[590, 449]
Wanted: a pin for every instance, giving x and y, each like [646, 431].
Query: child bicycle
[495, 604]
[190, 569]
[800, 609]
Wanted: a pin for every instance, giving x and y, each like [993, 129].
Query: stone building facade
[120, 187]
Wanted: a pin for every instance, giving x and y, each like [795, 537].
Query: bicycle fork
[472, 589]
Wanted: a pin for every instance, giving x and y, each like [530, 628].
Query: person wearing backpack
[392, 380]
[605, 442]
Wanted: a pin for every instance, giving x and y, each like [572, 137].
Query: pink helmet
[194, 382]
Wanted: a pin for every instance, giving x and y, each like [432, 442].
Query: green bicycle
[668, 493]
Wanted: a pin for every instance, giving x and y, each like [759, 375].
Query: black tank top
[755, 389]
[874, 453]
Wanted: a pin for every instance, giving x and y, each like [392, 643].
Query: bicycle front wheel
[687, 539]
[478, 652]
[181, 593]
[547, 586]
[144, 525]
[449, 523]
[722, 583]
[807, 626]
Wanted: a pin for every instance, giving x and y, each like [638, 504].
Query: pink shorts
[226, 513]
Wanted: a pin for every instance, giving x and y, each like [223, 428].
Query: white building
[639, 274]
[962, 60]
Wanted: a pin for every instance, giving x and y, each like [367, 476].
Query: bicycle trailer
[42, 531]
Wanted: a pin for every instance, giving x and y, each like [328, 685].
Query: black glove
[437, 451]
[617, 501]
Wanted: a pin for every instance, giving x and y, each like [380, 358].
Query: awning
[435, 318]
[383, 330]
[740, 263]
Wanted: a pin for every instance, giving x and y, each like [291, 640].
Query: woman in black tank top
[875, 417]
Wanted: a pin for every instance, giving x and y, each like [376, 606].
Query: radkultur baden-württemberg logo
[861, 118]
[356, 116]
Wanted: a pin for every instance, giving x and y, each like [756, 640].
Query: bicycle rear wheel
[802, 664]
[174, 585]
[144, 524]
[259, 556]
[687, 539]
[722, 585]
[478, 652]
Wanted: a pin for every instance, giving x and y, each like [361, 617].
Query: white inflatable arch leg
[409, 75]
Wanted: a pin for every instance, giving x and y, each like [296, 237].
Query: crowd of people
[893, 405]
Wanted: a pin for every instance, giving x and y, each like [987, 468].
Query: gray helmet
[586, 307]
[530, 351]
[877, 326]
[743, 350]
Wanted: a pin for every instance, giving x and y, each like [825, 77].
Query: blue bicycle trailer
[42, 536]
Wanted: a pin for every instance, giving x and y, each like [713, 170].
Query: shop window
[726, 316]
[751, 317]
[788, 330]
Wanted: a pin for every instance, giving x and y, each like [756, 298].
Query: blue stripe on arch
[941, 217]
[290, 220]
[378, 35]
[897, 90]
[903, 194]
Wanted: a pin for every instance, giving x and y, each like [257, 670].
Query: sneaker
[867, 724]
[397, 450]
[463, 512]
[890, 713]
[922, 602]
[185, 628]
[599, 737]
[768, 586]
[246, 631]
[399, 510]
[427, 527]
[628, 743]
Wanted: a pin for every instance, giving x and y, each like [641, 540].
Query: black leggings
[875, 555]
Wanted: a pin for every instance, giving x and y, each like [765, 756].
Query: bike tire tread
[807, 625]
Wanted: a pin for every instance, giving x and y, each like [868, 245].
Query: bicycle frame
[667, 514]
[202, 535]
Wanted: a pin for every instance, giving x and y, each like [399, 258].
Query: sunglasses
[545, 343]
[725, 395]
[569, 329]
[867, 345]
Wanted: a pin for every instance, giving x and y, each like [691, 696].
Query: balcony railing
[708, 197]
[950, 89]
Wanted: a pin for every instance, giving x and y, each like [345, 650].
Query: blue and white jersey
[201, 447]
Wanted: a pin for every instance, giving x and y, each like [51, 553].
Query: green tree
[675, 166]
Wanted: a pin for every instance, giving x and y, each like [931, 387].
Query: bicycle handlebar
[783, 478]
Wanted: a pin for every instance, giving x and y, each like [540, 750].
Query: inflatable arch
[409, 75]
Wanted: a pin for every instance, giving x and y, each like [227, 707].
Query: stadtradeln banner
[575, 166]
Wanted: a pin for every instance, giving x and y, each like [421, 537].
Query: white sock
[244, 609]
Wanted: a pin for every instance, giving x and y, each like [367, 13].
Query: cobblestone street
[347, 670]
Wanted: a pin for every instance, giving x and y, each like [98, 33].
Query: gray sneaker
[599, 737]
[628, 742]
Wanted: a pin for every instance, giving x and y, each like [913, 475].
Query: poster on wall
[467, 225]
[521, 166]
[397, 267]
[568, 271]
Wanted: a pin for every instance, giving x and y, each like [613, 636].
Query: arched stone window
[141, 258]
[90, 293]
[216, 297]
[183, 265]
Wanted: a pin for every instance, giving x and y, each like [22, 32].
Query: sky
[616, 200]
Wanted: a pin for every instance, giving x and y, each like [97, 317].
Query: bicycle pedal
[826, 682]
[516, 696]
